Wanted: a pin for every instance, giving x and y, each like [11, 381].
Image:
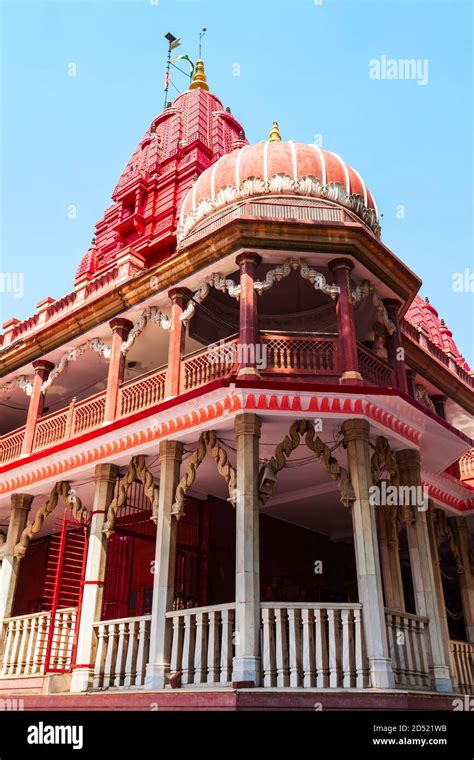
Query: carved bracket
[367, 288]
[137, 469]
[217, 281]
[323, 453]
[421, 395]
[384, 466]
[151, 314]
[67, 494]
[279, 272]
[207, 443]
[442, 527]
[95, 344]
[23, 382]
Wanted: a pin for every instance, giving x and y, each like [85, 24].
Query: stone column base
[156, 677]
[246, 669]
[251, 372]
[442, 679]
[81, 679]
[381, 673]
[351, 378]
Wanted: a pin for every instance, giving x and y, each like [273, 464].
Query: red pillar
[35, 409]
[248, 333]
[341, 269]
[179, 299]
[120, 330]
[396, 354]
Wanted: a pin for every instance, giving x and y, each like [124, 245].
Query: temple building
[236, 466]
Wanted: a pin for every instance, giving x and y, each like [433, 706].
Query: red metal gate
[63, 593]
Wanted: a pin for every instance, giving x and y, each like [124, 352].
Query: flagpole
[173, 42]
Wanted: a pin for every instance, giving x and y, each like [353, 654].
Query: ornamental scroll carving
[366, 289]
[280, 184]
[323, 453]
[442, 527]
[137, 470]
[22, 382]
[95, 344]
[421, 395]
[384, 466]
[279, 272]
[151, 314]
[67, 494]
[217, 281]
[207, 443]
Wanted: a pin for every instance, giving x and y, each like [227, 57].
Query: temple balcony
[314, 358]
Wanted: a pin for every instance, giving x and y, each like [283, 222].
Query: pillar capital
[248, 257]
[392, 304]
[121, 326]
[179, 295]
[247, 424]
[356, 430]
[106, 472]
[408, 459]
[341, 263]
[21, 501]
[42, 367]
[171, 450]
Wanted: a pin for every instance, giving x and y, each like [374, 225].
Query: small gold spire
[199, 77]
[274, 135]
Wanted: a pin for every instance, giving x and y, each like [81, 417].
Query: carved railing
[79, 417]
[313, 645]
[25, 643]
[51, 429]
[202, 644]
[209, 364]
[310, 355]
[375, 370]
[122, 652]
[142, 392]
[10, 445]
[417, 336]
[409, 648]
[466, 465]
[462, 664]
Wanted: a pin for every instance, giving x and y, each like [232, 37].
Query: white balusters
[409, 649]
[462, 660]
[202, 644]
[334, 641]
[294, 645]
[24, 644]
[313, 645]
[322, 658]
[121, 653]
[268, 647]
[213, 648]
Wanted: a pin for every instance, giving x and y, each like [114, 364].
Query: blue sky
[65, 140]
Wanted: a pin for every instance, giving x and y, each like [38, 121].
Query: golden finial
[274, 135]
[199, 80]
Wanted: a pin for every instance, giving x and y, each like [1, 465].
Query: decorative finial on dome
[199, 80]
[427, 300]
[274, 135]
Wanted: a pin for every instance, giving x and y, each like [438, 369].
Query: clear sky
[65, 140]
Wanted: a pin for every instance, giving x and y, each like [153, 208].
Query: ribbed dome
[277, 168]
